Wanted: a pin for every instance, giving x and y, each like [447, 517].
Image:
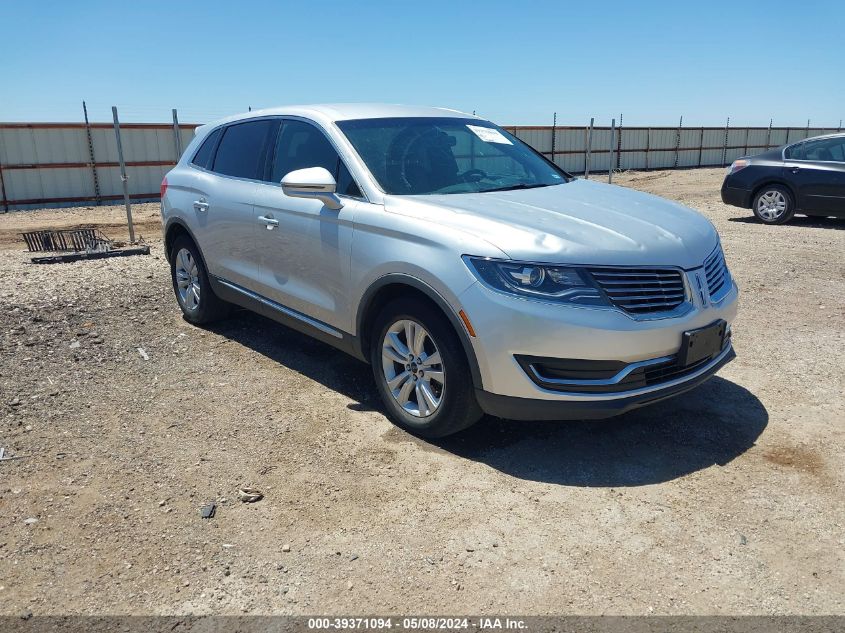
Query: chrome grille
[716, 271]
[641, 290]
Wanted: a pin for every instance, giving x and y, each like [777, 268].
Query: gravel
[727, 500]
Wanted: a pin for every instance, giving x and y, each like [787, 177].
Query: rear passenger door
[303, 246]
[817, 170]
[223, 221]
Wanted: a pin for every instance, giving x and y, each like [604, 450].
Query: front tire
[421, 371]
[193, 291]
[773, 204]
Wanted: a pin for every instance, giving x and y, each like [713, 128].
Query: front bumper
[735, 196]
[509, 329]
[513, 408]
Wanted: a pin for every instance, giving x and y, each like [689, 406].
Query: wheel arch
[398, 285]
[175, 229]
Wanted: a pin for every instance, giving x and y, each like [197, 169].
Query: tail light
[163, 188]
[738, 165]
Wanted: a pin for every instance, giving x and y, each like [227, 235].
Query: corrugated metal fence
[54, 164]
[655, 147]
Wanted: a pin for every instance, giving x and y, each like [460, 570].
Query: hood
[579, 222]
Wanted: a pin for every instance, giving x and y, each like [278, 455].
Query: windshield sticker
[489, 134]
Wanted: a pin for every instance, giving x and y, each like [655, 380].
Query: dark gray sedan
[806, 177]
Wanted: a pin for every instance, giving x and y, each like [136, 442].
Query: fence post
[588, 149]
[3, 189]
[807, 131]
[678, 141]
[769, 135]
[725, 146]
[91, 155]
[700, 145]
[3, 182]
[647, 145]
[123, 175]
[747, 133]
[610, 165]
[619, 145]
[554, 125]
[839, 129]
[176, 136]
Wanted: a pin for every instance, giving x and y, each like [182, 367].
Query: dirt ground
[727, 501]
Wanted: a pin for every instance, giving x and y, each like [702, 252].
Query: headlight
[562, 284]
[738, 165]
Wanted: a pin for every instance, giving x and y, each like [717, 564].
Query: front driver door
[303, 246]
[817, 171]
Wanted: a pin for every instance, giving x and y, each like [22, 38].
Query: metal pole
[177, 137]
[610, 166]
[554, 125]
[647, 145]
[3, 182]
[619, 145]
[839, 129]
[678, 142]
[3, 189]
[769, 135]
[91, 155]
[700, 145]
[589, 149]
[747, 133]
[725, 147]
[123, 176]
[807, 133]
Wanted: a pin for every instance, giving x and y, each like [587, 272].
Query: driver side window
[300, 145]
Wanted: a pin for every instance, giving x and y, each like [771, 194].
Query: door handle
[200, 205]
[794, 170]
[270, 222]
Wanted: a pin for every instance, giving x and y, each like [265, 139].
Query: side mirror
[313, 182]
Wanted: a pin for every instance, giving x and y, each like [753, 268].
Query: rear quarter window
[203, 156]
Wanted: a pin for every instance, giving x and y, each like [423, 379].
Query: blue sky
[512, 62]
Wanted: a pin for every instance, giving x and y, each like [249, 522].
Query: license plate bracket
[705, 342]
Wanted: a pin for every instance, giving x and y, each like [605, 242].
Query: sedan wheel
[773, 205]
[413, 368]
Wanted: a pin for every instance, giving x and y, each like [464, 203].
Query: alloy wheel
[187, 279]
[413, 368]
[771, 205]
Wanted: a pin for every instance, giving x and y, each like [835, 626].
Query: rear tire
[425, 385]
[193, 291]
[773, 204]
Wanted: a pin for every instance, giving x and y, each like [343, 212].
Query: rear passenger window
[203, 156]
[241, 150]
[301, 145]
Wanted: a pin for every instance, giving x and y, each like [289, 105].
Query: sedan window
[826, 149]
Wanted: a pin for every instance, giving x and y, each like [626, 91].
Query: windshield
[427, 155]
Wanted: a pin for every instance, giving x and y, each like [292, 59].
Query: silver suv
[472, 273]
